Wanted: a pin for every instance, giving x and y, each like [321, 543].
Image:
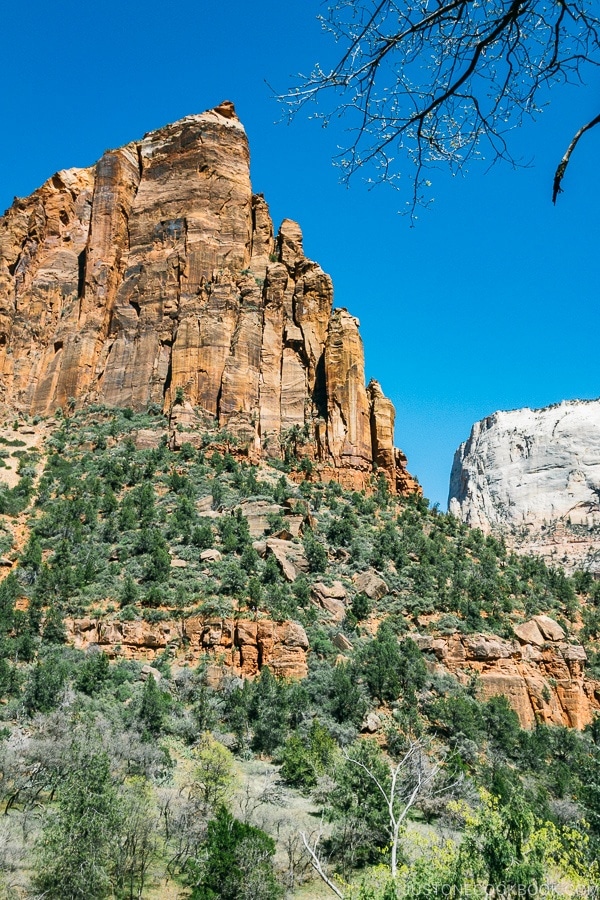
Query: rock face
[540, 673]
[535, 475]
[242, 646]
[155, 276]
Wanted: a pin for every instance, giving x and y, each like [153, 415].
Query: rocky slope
[155, 275]
[540, 672]
[534, 475]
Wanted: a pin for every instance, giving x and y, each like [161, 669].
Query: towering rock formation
[535, 476]
[155, 276]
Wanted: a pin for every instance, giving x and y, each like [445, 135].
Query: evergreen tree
[74, 851]
[237, 864]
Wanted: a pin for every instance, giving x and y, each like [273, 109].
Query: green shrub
[315, 553]
[237, 863]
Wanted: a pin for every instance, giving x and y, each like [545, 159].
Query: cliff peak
[156, 275]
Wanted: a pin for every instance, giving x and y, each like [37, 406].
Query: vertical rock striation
[156, 275]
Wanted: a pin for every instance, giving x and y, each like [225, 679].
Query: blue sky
[490, 302]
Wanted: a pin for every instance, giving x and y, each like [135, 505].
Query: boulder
[330, 597]
[529, 633]
[210, 555]
[482, 647]
[371, 584]
[291, 557]
[342, 643]
[257, 513]
[148, 439]
[149, 671]
[550, 629]
[371, 723]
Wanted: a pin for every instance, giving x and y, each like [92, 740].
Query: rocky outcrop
[241, 646]
[155, 276]
[371, 584]
[534, 475]
[540, 673]
[331, 598]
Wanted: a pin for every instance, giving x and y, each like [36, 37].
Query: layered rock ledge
[540, 672]
[155, 276]
[240, 646]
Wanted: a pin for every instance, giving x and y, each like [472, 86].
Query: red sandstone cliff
[156, 272]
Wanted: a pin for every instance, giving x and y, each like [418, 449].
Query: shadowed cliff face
[156, 273]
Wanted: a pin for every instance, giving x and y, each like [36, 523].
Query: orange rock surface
[540, 673]
[156, 274]
[242, 646]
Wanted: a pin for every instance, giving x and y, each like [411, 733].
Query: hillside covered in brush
[203, 659]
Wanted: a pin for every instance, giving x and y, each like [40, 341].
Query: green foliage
[74, 852]
[14, 500]
[268, 712]
[392, 670]
[234, 531]
[153, 706]
[315, 552]
[342, 528]
[301, 590]
[501, 846]
[255, 593]
[303, 760]
[360, 606]
[356, 808]
[458, 716]
[129, 592]
[233, 579]
[237, 863]
[103, 528]
[213, 776]
[158, 565]
[502, 724]
[346, 702]
[271, 573]
[93, 674]
[46, 683]
[202, 536]
[54, 631]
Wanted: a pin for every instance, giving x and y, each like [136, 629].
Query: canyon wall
[533, 475]
[155, 276]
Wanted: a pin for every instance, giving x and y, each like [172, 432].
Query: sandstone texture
[155, 277]
[332, 598]
[240, 646]
[540, 673]
[534, 475]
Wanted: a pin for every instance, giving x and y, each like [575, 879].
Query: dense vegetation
[116, 779]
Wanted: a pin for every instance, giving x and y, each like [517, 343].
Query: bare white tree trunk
[398, 807]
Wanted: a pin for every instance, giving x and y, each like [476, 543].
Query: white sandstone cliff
[534, 474]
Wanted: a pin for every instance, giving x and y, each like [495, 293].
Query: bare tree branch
[393, 796]
[429, 83]
[562, 166]
[317, 865]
